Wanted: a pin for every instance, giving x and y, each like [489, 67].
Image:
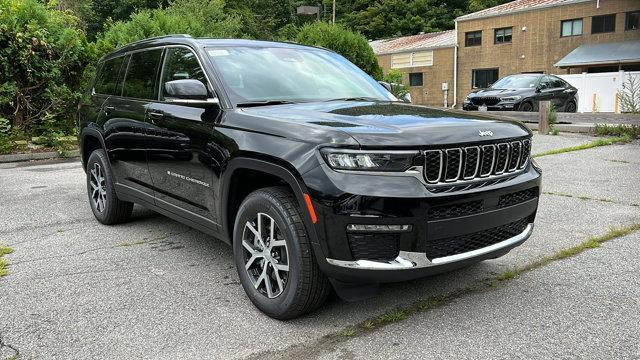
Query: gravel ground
[153, 288]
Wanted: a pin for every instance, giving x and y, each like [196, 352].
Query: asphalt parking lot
[156, 289]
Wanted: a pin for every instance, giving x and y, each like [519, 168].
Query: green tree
[383, 19]
[349, 44]
[42, 54]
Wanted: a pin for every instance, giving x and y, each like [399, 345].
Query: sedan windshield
[269, 75]
[516, 82]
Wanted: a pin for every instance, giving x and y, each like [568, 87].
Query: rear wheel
[106, 206]
[273, 255]
[571, 107]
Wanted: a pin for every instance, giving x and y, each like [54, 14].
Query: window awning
[604, 53]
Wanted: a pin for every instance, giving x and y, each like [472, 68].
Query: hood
[501, 92]
[374, 124]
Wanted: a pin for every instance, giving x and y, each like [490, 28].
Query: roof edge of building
[469, 17]
[415, 49]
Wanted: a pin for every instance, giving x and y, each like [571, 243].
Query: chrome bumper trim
[414, 260]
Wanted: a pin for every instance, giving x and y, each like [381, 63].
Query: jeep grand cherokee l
[312, 171]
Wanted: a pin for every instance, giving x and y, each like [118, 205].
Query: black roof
[183, 39]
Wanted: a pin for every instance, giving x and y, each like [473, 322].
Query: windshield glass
[516, 82]
[261, 74]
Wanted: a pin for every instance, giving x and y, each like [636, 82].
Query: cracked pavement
[153, 288]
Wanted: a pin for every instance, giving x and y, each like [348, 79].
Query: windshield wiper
[362, 98]
[264, 103]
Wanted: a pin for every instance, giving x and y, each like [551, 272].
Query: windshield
[516, 82]
[276, 74]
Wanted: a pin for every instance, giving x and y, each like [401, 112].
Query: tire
[300, 289]
[526, 106]
[571, 107]
[104, 202]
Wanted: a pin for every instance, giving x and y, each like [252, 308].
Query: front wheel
[273, 255]
[527, 106]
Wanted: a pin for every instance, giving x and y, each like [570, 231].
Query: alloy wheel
[98, 188]
[266, 257]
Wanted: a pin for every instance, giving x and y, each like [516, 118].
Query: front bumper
[405, 201]
[499, 106]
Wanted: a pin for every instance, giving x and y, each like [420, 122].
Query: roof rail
[159, 37]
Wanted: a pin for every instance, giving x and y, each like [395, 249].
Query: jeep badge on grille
[485, 133]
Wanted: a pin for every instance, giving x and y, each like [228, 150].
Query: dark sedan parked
[523, 92]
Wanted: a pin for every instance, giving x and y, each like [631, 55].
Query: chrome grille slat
[461, 165]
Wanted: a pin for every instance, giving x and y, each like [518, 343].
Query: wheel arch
[272, 173]
[90, 140]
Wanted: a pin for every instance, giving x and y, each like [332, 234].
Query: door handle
[153, 116]
[109, 109]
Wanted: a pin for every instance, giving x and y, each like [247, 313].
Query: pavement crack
[589, 198]
[13, 349]
[332, 341]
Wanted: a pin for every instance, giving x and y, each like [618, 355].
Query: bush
[629, 96]
[631, 130]
[196, 18]
[42, 55]
[395, 78]
[352, 46]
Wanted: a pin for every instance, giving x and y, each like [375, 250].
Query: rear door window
[107, 79]
[140, 82]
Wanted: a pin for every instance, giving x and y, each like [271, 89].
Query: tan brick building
[427, 62]
[529, 36]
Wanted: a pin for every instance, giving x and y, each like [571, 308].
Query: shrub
[631, 130]
[196, 18]
[42, 54]
[398, 86]
[629, 96]
[351, 45]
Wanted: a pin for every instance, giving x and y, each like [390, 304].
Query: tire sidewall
[262, 202]
[99, 157]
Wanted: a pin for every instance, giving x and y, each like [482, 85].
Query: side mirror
[186, 89]
[188, 92]
[386, 85]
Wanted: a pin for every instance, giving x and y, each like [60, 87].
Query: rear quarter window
[107, 77]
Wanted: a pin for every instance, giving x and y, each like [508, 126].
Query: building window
[632, 21]
[421, 58]
[415, 79]
[503, 35]
[473, 38]
[603, 24]
[483, 78]
[571, 27]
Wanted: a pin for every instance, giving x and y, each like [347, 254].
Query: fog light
[377, 228]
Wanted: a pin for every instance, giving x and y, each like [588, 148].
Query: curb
[38, 156]
[568, 128]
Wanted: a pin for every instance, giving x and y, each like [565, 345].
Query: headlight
[511, 98]
[368, 160]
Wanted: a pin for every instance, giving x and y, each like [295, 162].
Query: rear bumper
[418, 249]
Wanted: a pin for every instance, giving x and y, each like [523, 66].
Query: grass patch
[631, 130]
[600, 142]
[583, 197]
[4, 264]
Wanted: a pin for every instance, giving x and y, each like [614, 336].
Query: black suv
[316, 175]
[524, 92]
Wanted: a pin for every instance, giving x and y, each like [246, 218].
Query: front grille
[455, 210]
[438, 248]
[517, 197]
[473, 162]
[489, 100]
[374, 246]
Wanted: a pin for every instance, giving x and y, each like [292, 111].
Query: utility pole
[333, 21]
